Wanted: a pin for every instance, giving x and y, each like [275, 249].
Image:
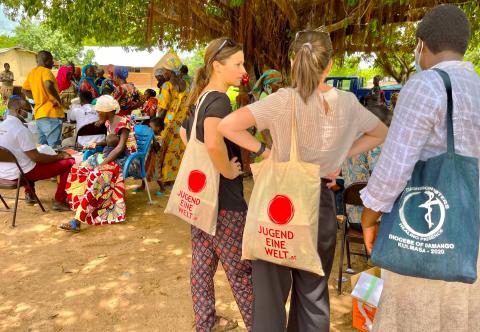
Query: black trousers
[310, 304]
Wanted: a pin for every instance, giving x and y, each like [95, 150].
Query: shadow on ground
[126, 277]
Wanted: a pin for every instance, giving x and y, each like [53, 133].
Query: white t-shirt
[84, 115]
[17, 138]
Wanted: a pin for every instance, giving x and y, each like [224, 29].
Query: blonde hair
[217, 50]
[311, 53]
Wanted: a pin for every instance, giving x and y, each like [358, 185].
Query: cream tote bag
[282, 218]
[194, 197]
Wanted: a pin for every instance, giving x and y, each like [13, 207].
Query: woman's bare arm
[217, 150]
[119, 148]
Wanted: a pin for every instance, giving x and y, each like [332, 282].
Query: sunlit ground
[127, 277]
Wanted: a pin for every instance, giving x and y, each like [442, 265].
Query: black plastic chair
[351, 196]
[7, 156]
[88, 130]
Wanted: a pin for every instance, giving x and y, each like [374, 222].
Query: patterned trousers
[207, 250]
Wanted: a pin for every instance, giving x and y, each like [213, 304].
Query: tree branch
[288, 10]
[207, 20]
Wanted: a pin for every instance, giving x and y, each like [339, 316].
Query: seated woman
[358, 168]
[95, 187]
[87, 82]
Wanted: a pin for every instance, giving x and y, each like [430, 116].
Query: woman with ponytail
[223, 67]
[332, 125]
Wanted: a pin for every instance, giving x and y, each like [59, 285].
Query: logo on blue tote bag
[435, 206]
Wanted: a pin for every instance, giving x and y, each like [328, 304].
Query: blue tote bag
[433, 229]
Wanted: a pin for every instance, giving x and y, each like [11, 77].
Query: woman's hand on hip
[333, 177]
[266, 153]
[235, 169]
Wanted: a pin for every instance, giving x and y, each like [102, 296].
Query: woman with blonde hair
[332, 125]
[223, 67]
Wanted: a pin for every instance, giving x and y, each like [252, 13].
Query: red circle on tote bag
[197, 181]
[281, 210]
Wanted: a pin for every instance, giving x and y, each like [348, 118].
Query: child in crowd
[112, 142]
[152, 164]
[157, 126]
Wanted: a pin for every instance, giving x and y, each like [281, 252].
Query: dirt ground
[126, 277]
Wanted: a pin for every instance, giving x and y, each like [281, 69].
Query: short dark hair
[445, 27]
[86, 96]
[158, 122]
[16, 102]
[151, 92]
[184, 69]
[6, 64]
[107, 90]
[44, 55]
[13, 102]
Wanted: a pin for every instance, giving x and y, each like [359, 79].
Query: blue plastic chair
[144, 136]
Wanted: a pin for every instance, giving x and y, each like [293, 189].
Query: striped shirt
[324, 137]
[418, 130]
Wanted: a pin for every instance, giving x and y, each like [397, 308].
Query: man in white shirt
[15, 137]
[83, 115]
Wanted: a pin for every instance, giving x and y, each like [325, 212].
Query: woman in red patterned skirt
[95, 187]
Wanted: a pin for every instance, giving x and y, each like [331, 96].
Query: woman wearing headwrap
[270, 81]
[172, 104]
[65, 85]
[77, 75]
[108, 86]
[95, 187]
[158, 73]
[125, 93]
[87, 82]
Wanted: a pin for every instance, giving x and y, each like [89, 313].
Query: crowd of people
[335, 131]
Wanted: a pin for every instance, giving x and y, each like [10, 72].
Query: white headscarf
[106, 104]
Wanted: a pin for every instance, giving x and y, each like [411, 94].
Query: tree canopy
[265, 27]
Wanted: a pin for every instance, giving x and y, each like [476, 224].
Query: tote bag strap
[195, 118]
[294, 155]
[448, 86]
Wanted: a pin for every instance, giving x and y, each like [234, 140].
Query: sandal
[159, 194]
[138, 190]
[229, 324]
[71, 226]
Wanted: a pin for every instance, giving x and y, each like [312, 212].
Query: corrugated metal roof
[5, 50]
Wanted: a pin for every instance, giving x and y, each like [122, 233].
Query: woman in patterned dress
[358, 168]
[95, 187]
[125, 92]
[87, 82]
[173, 103]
